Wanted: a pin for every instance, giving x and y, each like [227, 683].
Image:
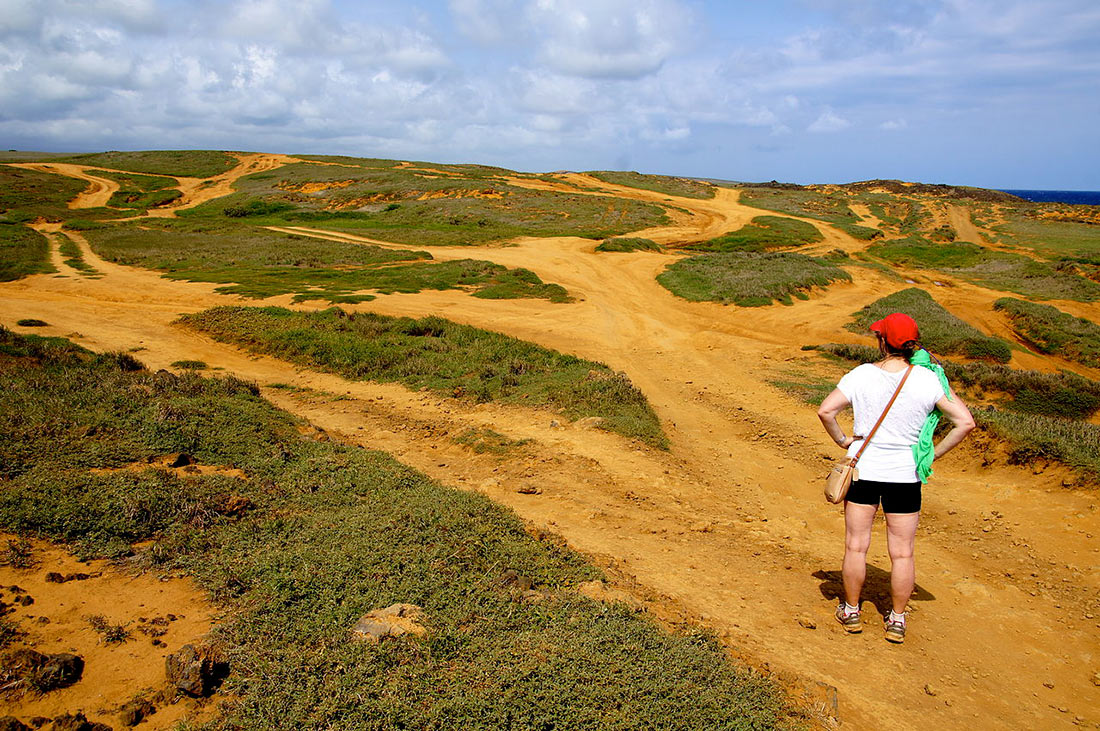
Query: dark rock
[39, 721]
[78, 577]
[43, 672]
[76, 722]
[54, 577]
[16, 589]
[195, 671]
[11, 723]
[26, 600]
[134, 712]
[180, 459]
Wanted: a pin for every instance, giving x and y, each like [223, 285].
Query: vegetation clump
[335, 532]
[23, 251]
[941, 332]
[1052, 331]
[764, 233]
[683, 187]
[749, 279]
[441, 355]
[184, 163]
[628, 244]
[830, 207]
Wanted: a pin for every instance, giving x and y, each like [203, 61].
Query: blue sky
[995, 93]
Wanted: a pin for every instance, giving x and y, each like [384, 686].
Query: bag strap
[885, 411]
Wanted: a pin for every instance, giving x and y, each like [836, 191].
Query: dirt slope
[728, 528]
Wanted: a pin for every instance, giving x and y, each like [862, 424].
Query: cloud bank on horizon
[998, 93]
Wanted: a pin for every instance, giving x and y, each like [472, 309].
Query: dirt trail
[99, 191]
[728, 528]
[197, 191]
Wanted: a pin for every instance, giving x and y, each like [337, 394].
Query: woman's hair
[906, 351]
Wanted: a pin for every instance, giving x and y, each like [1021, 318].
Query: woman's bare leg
[901, 531]
[858, 520]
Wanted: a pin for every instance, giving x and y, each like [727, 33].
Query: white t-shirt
[889, 456]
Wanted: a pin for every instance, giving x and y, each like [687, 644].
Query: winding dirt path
[728, 528]
[99, 189]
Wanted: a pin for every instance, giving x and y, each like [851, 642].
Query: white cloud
[894, 125]
[829, 121]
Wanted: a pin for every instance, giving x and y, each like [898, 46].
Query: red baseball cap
[897, 328]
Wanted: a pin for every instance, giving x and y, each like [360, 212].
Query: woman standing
[888, 468]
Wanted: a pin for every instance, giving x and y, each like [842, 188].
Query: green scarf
[924, 451]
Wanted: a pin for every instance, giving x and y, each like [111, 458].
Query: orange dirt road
[728, 528]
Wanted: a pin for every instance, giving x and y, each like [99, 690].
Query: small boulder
[76, 722]
[134, 712]
[807, 622]
[195, 671]
[179, 459]
[48, 672]
[393, 621]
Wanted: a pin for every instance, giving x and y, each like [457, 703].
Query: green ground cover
[1052, 331]
[473, 206]
[862, 233]
[1051, 238]
[1033, 413]
[141, 192]
[628, 244]
[992, 269]
[440, 355]
[259, 263]
[185, 163]
[26, 195]
[23, 251]
[332, 532]
[749, 279]
[830, 207]
[762, 234]
[74, 257]
[941, 332]
[682, 187]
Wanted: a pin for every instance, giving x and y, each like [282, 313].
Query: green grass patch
[472, 205]
[483, 440]
[1029, 437]
[764, 233]
[32, 322]
[335, 531]
[628, 244]
[26, 195]
[810, 389]
[992, 269]
[683, 187]
[440, 355]
[941, 332]
[862, 233]
[1028, 226]
[190, 365]
[830, 207]
[23, 251]
[74, 257]
[258, 263]
[185, 163]
[748, 279]
[1052, 331]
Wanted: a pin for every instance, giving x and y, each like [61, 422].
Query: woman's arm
[960, 417]
[833, 404]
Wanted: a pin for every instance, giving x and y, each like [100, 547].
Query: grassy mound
[26, 195]
[444, 356]
[627, 244]
[862, 233]
[941, 332]
[1052, 331]
[764, 233]
[830, 207]
[748, 279]
[260, 263]
[333, 532]
[992, 269]
[423, 205]
[683, 187]
[23, 251]
[186, 163]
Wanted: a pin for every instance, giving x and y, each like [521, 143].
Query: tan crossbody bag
[844, 472]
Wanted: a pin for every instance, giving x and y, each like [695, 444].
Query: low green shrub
[23, 251]
[683, 187]
[1032, 436]
[256, 208]
[189, 365]
[862, 233]
[764, 233]
[748, 279]
[627, 244]
[31, 322]
[444, 356]
[941, 332]
[1052, 331]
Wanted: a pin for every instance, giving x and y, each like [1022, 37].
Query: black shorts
[896, 497]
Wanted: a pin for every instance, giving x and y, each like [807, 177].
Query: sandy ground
[728, 528]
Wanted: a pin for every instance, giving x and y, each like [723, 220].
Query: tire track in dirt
[99, 189]
[728, 527]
